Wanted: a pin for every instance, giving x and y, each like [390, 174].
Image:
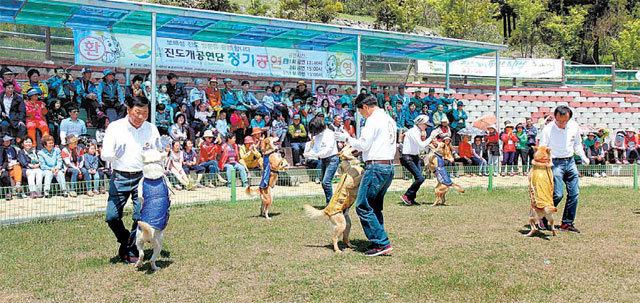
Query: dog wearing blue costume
[442, 151]
[154, 193]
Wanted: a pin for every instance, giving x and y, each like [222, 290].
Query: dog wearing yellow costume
[541, 190]
[337, 211]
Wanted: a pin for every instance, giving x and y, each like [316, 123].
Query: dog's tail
[251, 192]
[313, 212]
[458, 188]
[550, 209]
[147, 230]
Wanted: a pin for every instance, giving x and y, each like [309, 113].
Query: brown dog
[541, 190]
[277, 164]
[442, 151]
[345, 194]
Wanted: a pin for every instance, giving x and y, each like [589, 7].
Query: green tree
[397, 15]
[257, 8]
[214, 5]
[527, 34]
[562, 32]
[626, 46]
[467, 19]
[309, 10]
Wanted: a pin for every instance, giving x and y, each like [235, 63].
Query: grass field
[470, 251]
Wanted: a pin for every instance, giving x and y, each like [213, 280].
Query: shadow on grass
[270, 215]
[636, 211]
[147, 256]
[539, 234]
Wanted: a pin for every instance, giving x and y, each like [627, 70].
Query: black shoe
[379, 251]
[569, 227]
[123, 252]
[406, 200]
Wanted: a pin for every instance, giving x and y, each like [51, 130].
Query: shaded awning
[192, 24]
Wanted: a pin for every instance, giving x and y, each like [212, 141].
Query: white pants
[48, 176]
[34, 177]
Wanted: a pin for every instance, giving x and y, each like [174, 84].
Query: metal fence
[294, 183]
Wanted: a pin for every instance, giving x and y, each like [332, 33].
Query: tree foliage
[467, 19]
[562, 32]
[626, 49]
[527, 33]
[214, 5]
[310, 10]
[397, 15]
[258, 8]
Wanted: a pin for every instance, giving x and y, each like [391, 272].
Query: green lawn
[470, 251]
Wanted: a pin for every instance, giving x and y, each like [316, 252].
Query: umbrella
[484, 122]
[472, 131]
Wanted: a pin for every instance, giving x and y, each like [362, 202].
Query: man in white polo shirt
[124, 140]
[415, 140]
[562, 136]
[378, 145]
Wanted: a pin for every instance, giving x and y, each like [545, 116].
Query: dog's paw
[154, 267]
[138, 264]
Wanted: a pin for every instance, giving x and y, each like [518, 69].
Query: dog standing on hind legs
[541, 190]
[271, 166]
[442, 151]
[154, 215]
[337, 211]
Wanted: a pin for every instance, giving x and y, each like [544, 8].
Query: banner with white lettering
[486, 67]
[100, 48]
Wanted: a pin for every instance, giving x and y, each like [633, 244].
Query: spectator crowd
[214, 127]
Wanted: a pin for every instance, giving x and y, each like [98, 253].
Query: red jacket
[225, 155]
[209, 152]
[35, 111]
[509, 142]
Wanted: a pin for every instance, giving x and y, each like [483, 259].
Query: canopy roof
[192, 24]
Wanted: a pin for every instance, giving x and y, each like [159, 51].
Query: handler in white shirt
[415, 141]
[123, 144]
[324, 148]
[378, 145]
[562, 136]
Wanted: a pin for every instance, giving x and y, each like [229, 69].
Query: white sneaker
[603, 175]
[596, 175]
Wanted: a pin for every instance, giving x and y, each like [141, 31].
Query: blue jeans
[328, 168]
[121, 187]
[88, 177]
[212, 168]
[296, 149]
[482, 163]
[565, 172]
[369, 203]
[74, 178]
[412, 164]
[239, 168]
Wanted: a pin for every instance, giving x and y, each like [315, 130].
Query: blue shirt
[228, 98]
[83, 88]
[70, 127]
[255, 123]
[90, 161]
[50, 160]
[112, 90]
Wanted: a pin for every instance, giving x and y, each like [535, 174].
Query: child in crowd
[90, 164]
[509, 141]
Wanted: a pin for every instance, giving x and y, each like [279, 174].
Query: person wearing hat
[509, 141]
[596, 156]
[34, 82]
[448, 100]
[7, 76]
[562, 136]
[439, 115]
[493, 147]
[85, 92]
[110, 96]
[333, 96]
[250, 157]
[417, 98]
[177, 91]
[431, 100]
[72, 125]
[373, 88]
[212, 93]
[297, 137]
[401, 97]
[210, 149]
[12, 112]
[459, 121]
[415, 141]
[229, 95]
[12, 169]
[300, 91]
[377, 143]
[72, 158]
[35, 111]
[197, 92]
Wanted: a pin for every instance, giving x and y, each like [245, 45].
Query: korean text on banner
[485, 67]
[100, 48]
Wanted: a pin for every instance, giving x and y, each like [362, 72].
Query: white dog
[153, 191]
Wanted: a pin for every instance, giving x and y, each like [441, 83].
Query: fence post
[233, 185]
[47, 43]
[635, 176]
[490, 187]
[564, 76]
[613, 76]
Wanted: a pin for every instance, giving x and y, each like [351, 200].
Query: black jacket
[17, 111]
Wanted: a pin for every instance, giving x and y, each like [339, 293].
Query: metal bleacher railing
[296, 182]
